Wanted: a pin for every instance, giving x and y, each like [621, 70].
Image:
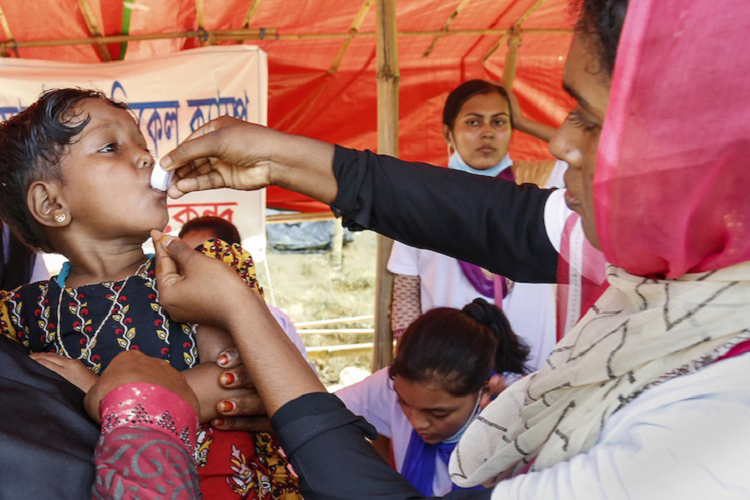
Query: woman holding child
[75, 179]
[646, 396]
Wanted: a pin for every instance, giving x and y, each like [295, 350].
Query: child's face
[107, 177]
[434, 413]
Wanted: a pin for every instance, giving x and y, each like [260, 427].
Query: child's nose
[145, 161]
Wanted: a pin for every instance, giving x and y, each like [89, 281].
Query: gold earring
[60, 217]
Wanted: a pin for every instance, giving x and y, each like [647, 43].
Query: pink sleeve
[146, 445]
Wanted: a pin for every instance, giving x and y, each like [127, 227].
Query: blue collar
[65, 271]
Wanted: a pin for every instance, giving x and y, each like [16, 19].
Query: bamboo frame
[387, 86]
[354, 28]
[251, 34]
[93, 26]
[251, 11]
[516, 26]
[511, 59]
[7, 32]
[446, 24]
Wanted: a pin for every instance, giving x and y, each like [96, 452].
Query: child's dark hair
[463, 93]
[221, 228]
[32, 144]
[460, 348]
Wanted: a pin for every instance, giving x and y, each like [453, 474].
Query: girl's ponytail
[511, 353]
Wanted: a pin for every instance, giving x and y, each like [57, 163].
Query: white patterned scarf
[639, 333]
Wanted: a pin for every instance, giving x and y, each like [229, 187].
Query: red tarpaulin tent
[322, 57]
[323, 65]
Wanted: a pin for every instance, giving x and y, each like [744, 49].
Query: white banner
[170, 96]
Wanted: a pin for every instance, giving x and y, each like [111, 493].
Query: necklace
[86, 353]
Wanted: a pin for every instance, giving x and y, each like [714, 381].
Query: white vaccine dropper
[160, 178]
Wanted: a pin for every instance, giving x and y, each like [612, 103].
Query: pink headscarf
[672, 185]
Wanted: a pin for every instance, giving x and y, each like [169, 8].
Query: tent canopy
[321, 57]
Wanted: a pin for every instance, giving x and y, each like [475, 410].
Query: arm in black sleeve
[489, 222]
[326, 445]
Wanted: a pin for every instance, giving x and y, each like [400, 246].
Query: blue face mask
[454, 438]
[457, 163]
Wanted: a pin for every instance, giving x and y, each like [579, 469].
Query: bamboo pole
[8, 34]
[251, 11]
[93, 26]
[250, 34]
[387, 85]
[516, 26]
[354, 28]
[445, 27]
[511, 60]
[199, 18]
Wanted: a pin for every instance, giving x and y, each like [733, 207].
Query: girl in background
[478, 120]
[431, 392]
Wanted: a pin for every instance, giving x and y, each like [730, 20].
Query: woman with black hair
[431, 392]
[647, 395]
[478, 123]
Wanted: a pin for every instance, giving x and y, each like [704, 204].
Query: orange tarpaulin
[321, 57]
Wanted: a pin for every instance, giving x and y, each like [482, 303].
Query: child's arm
[72, 370]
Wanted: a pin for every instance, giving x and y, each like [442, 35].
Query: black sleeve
[326, 445]
[46, 438]
[489, 222]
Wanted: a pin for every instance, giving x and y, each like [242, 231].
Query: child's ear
[46, 204]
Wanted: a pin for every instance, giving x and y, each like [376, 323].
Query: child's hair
[460, 348]
[32, 143]
[221, 228]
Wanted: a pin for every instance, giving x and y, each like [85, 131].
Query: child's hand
[72, 370]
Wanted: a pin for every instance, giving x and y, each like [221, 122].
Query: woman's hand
[73, 370]
[221, 154]
[217, 398]
[194, 288]
[227, 152]
[134, 367]
[241, 414]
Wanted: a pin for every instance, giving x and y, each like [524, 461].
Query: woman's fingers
[235, 378]
[246, 424]
[248, 404]
[229, 358]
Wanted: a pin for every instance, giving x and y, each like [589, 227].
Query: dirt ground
[309, 288]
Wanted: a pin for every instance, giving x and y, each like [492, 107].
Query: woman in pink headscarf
[647, 396]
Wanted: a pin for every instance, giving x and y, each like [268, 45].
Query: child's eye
[472, 123]
[440, 416]
[109, 148]
[499, 123]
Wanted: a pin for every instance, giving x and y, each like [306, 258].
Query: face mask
[454, 438]
[457, 163]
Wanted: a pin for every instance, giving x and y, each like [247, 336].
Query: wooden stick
[93, 26]
[387, 86]
[354, 28]
[250, 34]
[516, 26]
[446, 24]
[511, 60]
[251, 11]
[299, 217]
[8, 34]
[335, 321]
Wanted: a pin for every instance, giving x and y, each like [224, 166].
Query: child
[431, 392]
[75, 179]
